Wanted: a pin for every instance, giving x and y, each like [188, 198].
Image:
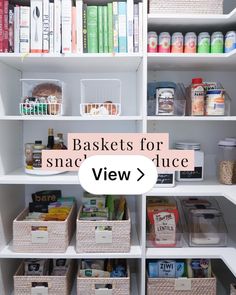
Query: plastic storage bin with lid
[227, 161]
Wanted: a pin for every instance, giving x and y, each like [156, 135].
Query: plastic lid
[230, 139]
[187, 146]
[38, 142]
[197, 81]
[229, 143]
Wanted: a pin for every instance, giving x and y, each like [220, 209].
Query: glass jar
[227, 161]
[37, 154]
[198, 173]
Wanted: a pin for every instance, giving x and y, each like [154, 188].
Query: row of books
[67, 26]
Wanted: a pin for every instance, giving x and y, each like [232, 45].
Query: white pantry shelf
[191, 118]
[70, 118]
[72, 63]
[192, 61]
[192, 20]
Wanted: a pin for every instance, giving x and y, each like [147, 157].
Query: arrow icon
[142, 174]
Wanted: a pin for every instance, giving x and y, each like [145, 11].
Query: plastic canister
[217, 42]
[230, 41]
[152, 42]
[197, 97]
[177, 43]
[164, 42]
[215, 102]
[204, 42]
[190, 43]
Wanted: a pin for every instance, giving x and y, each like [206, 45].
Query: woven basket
[233, 289]
[87, 286]
[186, 6]
[59, 234]
[56, 284]
[86, 241]
[167, 286]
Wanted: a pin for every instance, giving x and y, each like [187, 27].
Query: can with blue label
[230, 41]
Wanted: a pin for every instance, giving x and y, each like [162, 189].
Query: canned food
[204, 42]
[217, 42]
[230, 41]
[152, 42]
[190, 43]
[177, 43]
[164, 42]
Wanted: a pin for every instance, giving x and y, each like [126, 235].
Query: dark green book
[105, 32]
[110, 27]
[92, 28]
[100, 30]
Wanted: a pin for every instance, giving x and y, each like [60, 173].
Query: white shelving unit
[134, 70]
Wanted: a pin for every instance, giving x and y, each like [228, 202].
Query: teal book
[105, 33]
[122, 26]
[92, 29]
[110, 27]
[100, 30]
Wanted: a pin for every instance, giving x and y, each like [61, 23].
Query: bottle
[37, 154]
[57, 145]
[50, 139]
[63, 147]
[197, 97]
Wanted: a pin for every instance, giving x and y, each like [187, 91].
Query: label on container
[165, 178]
[39, 290]
[230, 41]
[183, 284]
[217, 43]
[152, 42]
[190, 43]
[165, 228]
[103, 291]
[167, 269]
[177, 43]
[39, 234]
[196, 174]
[198, 100]
[164, 42]
[204, 43]
[103, 234]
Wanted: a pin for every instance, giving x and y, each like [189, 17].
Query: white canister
[215, 103]
[198, 173]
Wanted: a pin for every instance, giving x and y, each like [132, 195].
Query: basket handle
[100, 290]
[39, 288]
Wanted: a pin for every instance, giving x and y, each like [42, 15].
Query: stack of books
[67, 26]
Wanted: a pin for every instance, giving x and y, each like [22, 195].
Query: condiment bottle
[37, 154]
[63, 147]
[197, 97]
[57, 145]
[50, 139]
[29, 147]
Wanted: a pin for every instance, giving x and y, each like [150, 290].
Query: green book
[92, 29]
[105, 32]
[100, 30]
[110, 27]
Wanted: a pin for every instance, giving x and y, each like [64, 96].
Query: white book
[140, 26]
[66, 22]
[36, 27]
[79, 19]
[130, 26]
[16, 29]
[57, 26]
[51, 27]
[136, 28]
[46, 24]
[24, 29]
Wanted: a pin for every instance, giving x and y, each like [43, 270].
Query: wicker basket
[233, 289]
[117, 239]
[120, 286]
[186, 6]
[56, 284]
[55, 237]
[169, 286]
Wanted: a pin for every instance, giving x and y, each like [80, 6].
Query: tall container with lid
[198, 173]
[197, 97]
[227, 161]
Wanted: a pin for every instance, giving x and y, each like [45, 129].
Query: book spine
[110, 28]
[85, 31]
[136, 28]
[92, 20]
[51, 27]
[130, 26]
[74, 30]
[79, 20]
[5, 25]
[140, 24]
[115, 27]
[66, 9]
[1, 25]
[24, 29]
[46, 26]
[57, 26]
[11, 28]
[36, 29]
[122, 27]
[105, 34]
[16, 29]
[100, 30]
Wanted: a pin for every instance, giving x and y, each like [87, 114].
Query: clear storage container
[227, 161]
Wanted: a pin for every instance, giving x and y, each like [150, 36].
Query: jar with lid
[227, 161]
[37, 154]
[198, 173]
[29, 147]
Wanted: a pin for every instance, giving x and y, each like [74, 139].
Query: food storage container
[227, 161]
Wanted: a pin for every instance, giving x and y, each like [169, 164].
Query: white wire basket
[41, 109]
[100, 97]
